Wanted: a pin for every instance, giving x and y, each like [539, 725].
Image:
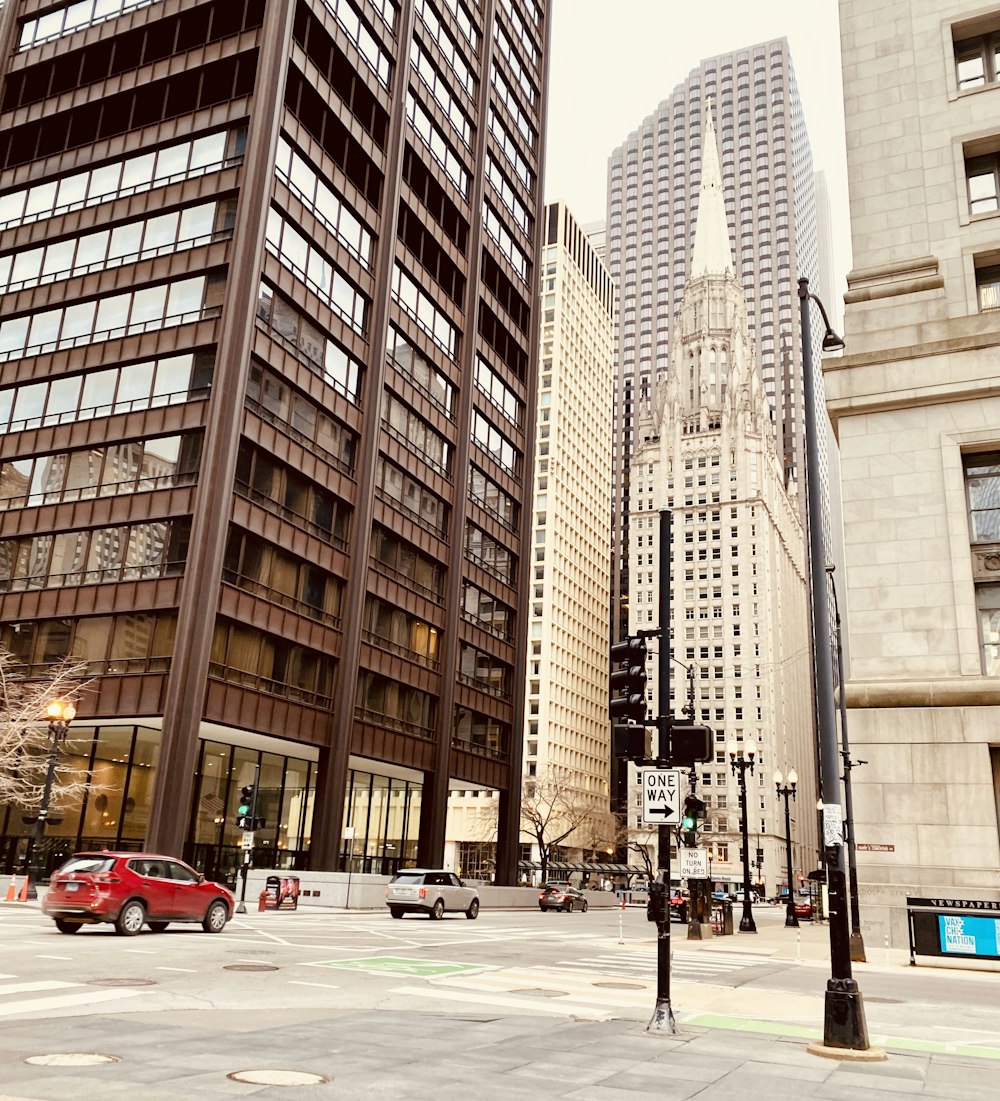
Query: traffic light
[244, 811]
[628, 681]
[694, 812]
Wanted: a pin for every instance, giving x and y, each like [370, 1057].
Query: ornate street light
[786, 791]
[60, 714]
[741, 761]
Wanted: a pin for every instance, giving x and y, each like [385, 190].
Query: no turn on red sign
[661, 796]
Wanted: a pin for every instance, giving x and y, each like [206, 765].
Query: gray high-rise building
[768, 183]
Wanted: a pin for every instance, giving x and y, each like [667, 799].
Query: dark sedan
[562, 898]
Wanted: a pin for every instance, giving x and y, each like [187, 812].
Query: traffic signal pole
[241, 907]
[663, 1015]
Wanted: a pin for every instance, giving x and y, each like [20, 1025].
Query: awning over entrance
[562, 866]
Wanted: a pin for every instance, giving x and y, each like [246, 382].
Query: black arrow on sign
[667, 812]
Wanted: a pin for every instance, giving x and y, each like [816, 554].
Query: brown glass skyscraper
[267, 381]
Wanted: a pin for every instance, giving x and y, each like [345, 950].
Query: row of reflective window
[127, 176]
[73, 17]
[105, 249]
[111, 317]
[131, 552]
[71, 398]
[134, 467]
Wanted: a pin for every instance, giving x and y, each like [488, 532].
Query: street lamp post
[741, 761]
[787, 791]
[857, 940]
[844, 1024]
[60, 714]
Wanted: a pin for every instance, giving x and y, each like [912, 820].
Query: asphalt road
[601, 964]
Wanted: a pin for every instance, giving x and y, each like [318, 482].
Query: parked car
[430, 891]
[131, 890]
[803, 909]
[557, 897]
[737, 896]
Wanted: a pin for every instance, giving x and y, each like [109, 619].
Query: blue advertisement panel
[969, 936]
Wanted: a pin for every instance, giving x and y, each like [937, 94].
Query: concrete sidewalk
[392, 1054]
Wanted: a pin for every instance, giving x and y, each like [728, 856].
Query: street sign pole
[663, 1015]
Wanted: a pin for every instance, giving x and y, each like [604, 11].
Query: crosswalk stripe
[25, 987]
[64, 1001]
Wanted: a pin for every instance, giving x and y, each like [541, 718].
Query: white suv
[430, 892]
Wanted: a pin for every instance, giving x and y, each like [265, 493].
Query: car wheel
[68, 926]
[438, 912]
[473, 911]
[131, 918]
[215, 917]
[543, 908]
[396, 911]
[157, 926]
[584, 906]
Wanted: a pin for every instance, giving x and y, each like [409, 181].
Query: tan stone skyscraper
[705, 451]
[566, 738]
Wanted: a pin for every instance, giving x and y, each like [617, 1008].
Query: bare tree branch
[25, 744]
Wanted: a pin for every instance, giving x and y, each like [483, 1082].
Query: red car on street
[130, 890]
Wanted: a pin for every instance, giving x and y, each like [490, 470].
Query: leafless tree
[553, 808]
[25, 745]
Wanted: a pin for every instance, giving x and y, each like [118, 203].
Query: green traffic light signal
[246, 801]
[688, 822]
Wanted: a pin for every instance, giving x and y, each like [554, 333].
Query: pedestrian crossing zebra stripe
[68, 1000]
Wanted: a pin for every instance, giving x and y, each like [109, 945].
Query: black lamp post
[741, 761]
[844, 1024]
[857, 940]
[60, 714]
[787, 791]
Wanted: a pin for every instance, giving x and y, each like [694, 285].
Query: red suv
[131, 890]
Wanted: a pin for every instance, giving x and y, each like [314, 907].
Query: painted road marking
[398, 965]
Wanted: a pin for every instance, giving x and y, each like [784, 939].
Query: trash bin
[722, 918]
[282, 892]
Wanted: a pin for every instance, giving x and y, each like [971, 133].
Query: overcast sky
[613, 61]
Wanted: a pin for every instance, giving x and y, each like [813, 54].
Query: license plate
[70, 887]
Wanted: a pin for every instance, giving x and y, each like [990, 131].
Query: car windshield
[88, 864]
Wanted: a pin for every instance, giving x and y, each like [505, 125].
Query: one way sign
[661, 798]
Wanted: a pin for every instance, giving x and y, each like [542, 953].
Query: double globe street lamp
[786, 791]
[741, 761]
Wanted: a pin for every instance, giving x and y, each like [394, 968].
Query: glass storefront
[384, 812]
[120, 762]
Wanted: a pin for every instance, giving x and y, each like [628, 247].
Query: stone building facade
[916, 409]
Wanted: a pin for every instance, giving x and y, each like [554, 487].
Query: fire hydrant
[262, 902]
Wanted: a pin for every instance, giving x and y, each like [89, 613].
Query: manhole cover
[539, 993]
[619, 985]
[121, 982]
[72, 1059]
[275, 1077]
[249, 967]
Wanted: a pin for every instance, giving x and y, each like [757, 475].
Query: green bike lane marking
[401, 965]
[776, 1028]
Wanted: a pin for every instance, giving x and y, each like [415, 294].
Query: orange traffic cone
[12, 887]
[23, 896]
